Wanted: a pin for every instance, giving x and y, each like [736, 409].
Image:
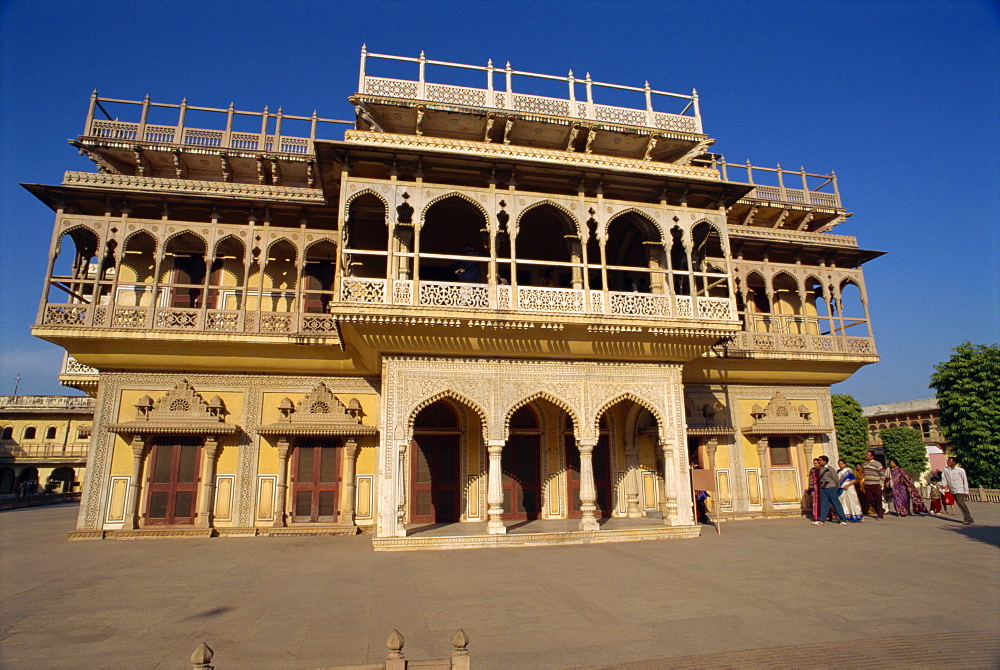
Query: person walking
[904, 493]
[874, 481]
[849, 496]
[958, 484]
[829, 491]
[936, 494]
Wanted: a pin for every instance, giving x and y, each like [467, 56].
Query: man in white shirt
[958, 483]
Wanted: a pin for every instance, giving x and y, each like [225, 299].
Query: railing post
[361, 73]
[489, 82]
[179, 135]
[697, 110]
[649, 105]
[725, 172]
[781, 185]
[140, 135]
[262, 142]
[836, 191]
[201, 659]
[421, 81]
[90, 113]
[572, 92]
[749, 173]
[590, 96]
[395, 660]
[805, 188]
[277, 131]
[460, 650]
[227, 137]
[510, 87]
[312, 132]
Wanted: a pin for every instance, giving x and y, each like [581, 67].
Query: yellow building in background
[480, 317]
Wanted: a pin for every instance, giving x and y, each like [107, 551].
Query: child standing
[936, 494]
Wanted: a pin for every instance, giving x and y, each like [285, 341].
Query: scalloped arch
[174, 236]
[446, 394]
[646, 217]
[219, 242]
[541, 203]
[322, 240]
[778, 273]
[454, 194]
[366, 191]
[638, 400]
[542, 395]
[273, 243]
[78, 227]
[140, 233]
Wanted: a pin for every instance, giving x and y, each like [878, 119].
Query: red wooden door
[172, 482]
[602, 478]
[434, 479]
[316, 481]
[522, 486]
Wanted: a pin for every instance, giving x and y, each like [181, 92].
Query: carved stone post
[284, 449]
[134, 487]
[207, 501]
[347, 494]
[494, 490]
[765, 474]
[805, 457]
[401, 490]
[588, 492]
[632, 479]
[669, 508]
[711, 446]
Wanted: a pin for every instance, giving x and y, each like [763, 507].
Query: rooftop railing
[687, 120]
[46, 402]
[269, 138]
[818, 190]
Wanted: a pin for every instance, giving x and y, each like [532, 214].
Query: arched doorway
[27, 481]
[6, 480]
[521, 468]
[316, 480]
[64, 476]
[435, 466]
[602, 473]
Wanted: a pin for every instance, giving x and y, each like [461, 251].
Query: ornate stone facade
[477, 307]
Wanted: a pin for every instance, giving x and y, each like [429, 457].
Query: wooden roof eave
[165, 428]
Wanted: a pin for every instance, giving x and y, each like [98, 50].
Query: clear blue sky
[901, 99]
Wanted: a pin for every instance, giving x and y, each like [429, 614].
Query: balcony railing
[269, 138]
[687, 120]
[460, 296]
[801, 343]
[43, 451]
[250, 321]
[810, 195]
[47, 402]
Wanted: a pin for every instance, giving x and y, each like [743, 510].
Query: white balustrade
[451, 294]
[640, 304]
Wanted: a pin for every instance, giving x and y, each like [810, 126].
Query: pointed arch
[455, 194]
[366, 191]
[571, 411]
[186, 231]
[229, 239]
[647, 404]
[454, 396]
[650, 227]
[571, 222]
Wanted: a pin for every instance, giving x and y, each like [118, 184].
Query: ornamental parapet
[751, 345]
[133, 183]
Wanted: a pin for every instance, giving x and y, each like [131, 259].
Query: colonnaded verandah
[480, 307]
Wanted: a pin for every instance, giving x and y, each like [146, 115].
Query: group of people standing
[837, 489]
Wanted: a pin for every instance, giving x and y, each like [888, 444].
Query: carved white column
[347, 492]
[284, 448]
[805, 458]
[632, 478]
[765, 474]
[401, 489]
[685, 496]
[205, 505]
[494, 490]
[588, 492]
[669, 508]
[134, 487]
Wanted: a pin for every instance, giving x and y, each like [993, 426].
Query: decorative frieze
[263, 192]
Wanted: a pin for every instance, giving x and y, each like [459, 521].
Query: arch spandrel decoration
[646, 214]
[366, 191]
[650, 397]
[545, 394]
[572, 219]
[454, 194]
[451, 395]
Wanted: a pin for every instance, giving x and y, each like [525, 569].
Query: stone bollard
[394, 660]
[201, 659]
[460, 652]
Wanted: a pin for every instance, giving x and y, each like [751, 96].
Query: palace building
[475, 315]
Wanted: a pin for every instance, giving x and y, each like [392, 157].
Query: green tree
[852, 428]
[968, 393]
[905, 446]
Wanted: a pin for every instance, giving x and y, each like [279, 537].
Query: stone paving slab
[776, 593]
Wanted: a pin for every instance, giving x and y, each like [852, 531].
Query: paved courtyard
[763, 594]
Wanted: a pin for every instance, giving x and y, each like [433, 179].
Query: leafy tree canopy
[905, 446]
[968, 394]
[852, 428]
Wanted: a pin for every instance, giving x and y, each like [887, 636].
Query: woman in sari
[814, 489]
[849, 496]
[904, 493]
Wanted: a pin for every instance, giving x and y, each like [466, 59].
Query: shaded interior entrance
[316, 481]
[172, 481]
[435, 471]
[521, 468]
